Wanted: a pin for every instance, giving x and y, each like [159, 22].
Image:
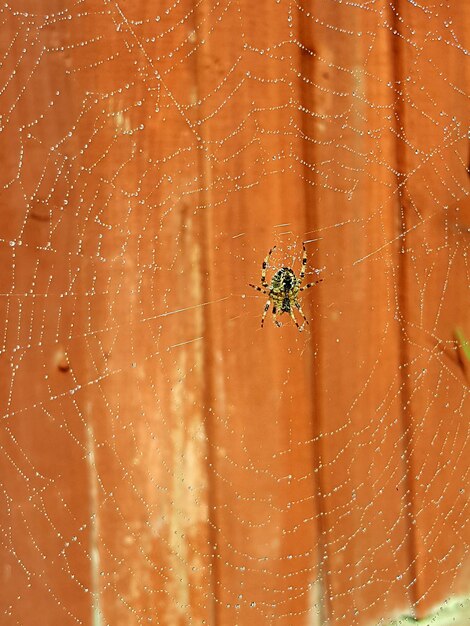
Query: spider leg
[311, 284]
[297, 304]
[275, 316]
[266, 307]
[291, 313]
[265, 265]
[304, 264]
[258, 288]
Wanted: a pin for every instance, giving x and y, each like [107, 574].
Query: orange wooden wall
[163, 459]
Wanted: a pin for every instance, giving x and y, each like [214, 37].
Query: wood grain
[164, 459]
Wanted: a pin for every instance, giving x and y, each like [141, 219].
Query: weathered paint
[163, 459]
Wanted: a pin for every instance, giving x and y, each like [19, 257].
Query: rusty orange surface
[164, 459]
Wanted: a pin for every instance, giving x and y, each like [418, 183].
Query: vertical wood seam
[405, 393]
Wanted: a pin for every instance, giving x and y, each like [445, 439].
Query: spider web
[163, 459]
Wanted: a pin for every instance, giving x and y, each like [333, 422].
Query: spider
[284, 289]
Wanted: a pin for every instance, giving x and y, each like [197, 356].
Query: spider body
[284, 290]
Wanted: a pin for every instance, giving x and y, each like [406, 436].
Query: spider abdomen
[285, 306]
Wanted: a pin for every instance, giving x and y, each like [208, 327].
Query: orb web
[164, 460]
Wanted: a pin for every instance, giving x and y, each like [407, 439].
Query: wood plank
[45, 512]
[143, 347]
[258, 403]
[349, 172]
[432, 145]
